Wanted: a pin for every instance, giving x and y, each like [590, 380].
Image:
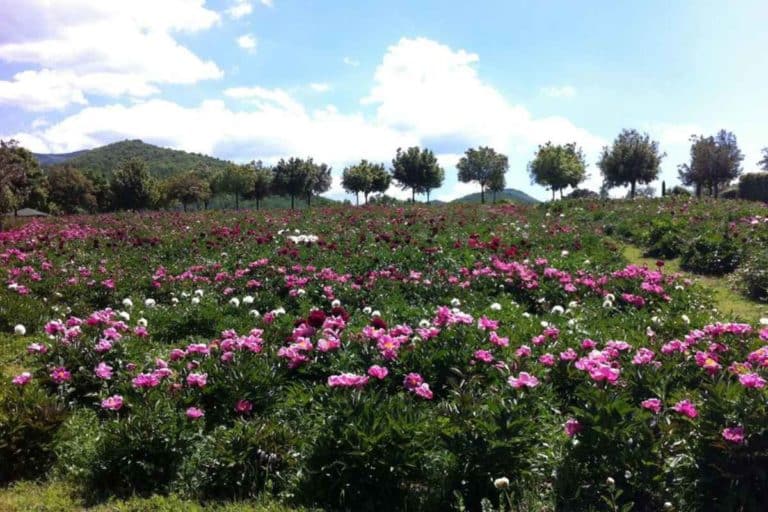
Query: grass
[727, 300]
[59, 497]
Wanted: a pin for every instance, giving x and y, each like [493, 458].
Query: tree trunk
[427, 196]
[292, 197]
[482, 194]
[258, 203]
[553, 193]
[561, 193]
[413, 195]
[494, 196]
[357, 198]
[309, 200]
[184, 205]
[366, 197]
[717, 189]
[698, 191]
[632, 190]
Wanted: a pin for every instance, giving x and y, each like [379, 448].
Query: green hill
[162, 162]
[508, 194]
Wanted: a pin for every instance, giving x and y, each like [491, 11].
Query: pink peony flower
[734, 434]
[103, 371]
[194, 413]
[652, 404]
[484, 356]
[243, 406]
[22, 379]
[378, 372]
[197, 380]
[752, 380]
[412, 381]
[523, 351]
[60, 375]
[423, 391]
[686, 408]
[347, 380]
[572, 427]
[112, 403]
[145, 381]
[547, 359]
[523, 380]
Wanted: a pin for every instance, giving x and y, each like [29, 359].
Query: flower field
[417, 358]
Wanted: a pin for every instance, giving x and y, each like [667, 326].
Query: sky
[344, 80]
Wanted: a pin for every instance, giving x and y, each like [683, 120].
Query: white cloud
[247, 42]
[268, 3]
[240, 8]
[563, 91]
[97, 47]
[673, 134]
[423, 93]
[351, 62]
[320, 87]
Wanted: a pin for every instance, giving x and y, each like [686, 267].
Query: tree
[261, 185]
[208, 174]
[101, 191]
[497, 184]
[71, 191]
[21, 181]
[132, 186]
[234, 180]
[318, 179]
[482, 165]
[418, 170]
[558, 167]
[633, 159]
[290, 176]
[764, 162]
[715, 161]
[187, 188]
[365, 177]
[355, 179]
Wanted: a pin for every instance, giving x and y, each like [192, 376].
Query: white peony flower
[501, 483]
[150, 303]
[199, 292]
[124, 316]
[685, 319]
[19, 330]
[195, 300]
[254, 313]
[234, 301]
[336, 303]
[375, 313]
[367, 310]
[558, 310]
[495, 306]
[455, 302]
[248, 299]
[127, 303]
[142, 322]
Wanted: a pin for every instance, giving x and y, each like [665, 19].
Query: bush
[679, 191]
[754, 275]
[238, 462]
[28, 421]
[583, 193]
[730, 193]
[754, 186]
[711, 254]
[665, 239]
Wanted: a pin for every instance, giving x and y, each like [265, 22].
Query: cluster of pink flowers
[414, 383]
[348, 380]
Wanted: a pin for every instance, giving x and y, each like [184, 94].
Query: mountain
[162, 162]
[508, 194]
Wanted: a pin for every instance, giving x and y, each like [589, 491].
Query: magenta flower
[547, 359]
[524, 380]
[347, 380]
[734, 434]
[198, 380]
[112, 403]
[686, 408]
[572, 427]
[60, 375]
[103, 371]
[752, 380]
[523, 351]
[412, 381]
[643, 356]
[22, 379]
[243, 406]
[145, 381]
[652, 404]
[194, 413]
[423, 391]
[484, 356]
[378, 372]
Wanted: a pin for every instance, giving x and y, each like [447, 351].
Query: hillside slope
[162, 162]
[508, 194]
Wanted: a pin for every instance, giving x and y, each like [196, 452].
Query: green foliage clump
[711, 254]
[754, 186]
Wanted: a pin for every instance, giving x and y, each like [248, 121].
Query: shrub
[711, 254]
[679, 191]
[665, 239]
[730, 193]
[753, 274]
[239, 461]
[754, 186]
[28, 421]
[583, 193]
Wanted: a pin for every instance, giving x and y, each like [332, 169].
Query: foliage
[365, 177]
[754, 186]
[582, 193]
[21, 182]
[484, 166]
[711, 254]
[754, 274]
[633, 158]
[558, 167]
[132, 187]
[187, 188]
[235, 180]
[715, 162]
[418, 170]
[161, 162]
[71, 191]
[261, 186]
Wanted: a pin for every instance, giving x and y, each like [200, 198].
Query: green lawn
[727, 300]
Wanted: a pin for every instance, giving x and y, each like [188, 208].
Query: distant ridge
[508, 194]
[162, 162]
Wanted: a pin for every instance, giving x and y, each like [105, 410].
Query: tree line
[632, 159]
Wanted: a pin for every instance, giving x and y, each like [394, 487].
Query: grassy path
[727, 300]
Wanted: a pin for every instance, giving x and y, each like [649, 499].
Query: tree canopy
[261, 184]
[71, 191]
[418, 170]
[558, 167]
[715, 162]
[187, 188]
[484, 166]
[365, 177]
[235, 180]
[132, 186]
[21, 181]
[633, 158]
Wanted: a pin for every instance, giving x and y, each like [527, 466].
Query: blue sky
[340, 81]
